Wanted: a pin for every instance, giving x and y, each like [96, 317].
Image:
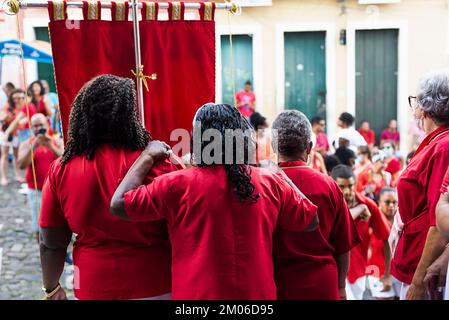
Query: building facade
[322, 57]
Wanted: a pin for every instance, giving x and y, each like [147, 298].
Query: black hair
[315, 120]
[331, 161]
[223, 117]
[10, 85]
[385, 190]
[34, 100]
[363, 121]
[104, 111]
[344, 154]
[347, 118]
[248, 82]
[342, 171]
[256, 120]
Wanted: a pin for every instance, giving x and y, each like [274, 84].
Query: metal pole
[138, 60]
[79, 4]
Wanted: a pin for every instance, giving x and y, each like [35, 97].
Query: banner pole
[138, 60]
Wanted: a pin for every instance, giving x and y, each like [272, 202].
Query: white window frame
[331, 77]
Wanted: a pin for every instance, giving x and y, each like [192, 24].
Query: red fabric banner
[181, 53]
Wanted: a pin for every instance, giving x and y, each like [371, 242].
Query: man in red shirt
[367, 133]
[43, 150]
[113, 259]
[246, 100]
[221, 214]
[366, 216]
[313, 265]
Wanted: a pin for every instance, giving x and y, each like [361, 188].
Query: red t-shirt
[445, 184]
[114, 258]
[221, 246]
[393, 166]
[43, 158]
[305, 265]
[377, 257]
[321, 141]
[245, 101]
[358, 266]
[418, 194]
[370, 136]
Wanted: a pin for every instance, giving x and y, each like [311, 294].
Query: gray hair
[433, 96]
[292, 133]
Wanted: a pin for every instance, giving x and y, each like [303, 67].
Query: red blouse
[114, 258]
[222, 247]
[418, 194]
[305, 262]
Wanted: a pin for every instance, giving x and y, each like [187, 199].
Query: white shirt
[353, 136]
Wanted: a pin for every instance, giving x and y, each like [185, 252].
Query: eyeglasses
[413, 102]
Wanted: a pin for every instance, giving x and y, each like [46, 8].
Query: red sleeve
[344, 235]
[296, 213]
[361, 181]
[445, 184]
[435, 175]
[378, 222]
[146, 203]
[51, 215]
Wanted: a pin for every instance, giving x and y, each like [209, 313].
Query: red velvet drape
[181, 53]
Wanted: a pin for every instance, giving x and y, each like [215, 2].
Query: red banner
[181, 54]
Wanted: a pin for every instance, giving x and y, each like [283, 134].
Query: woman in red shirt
[374, 178]
[367, 133]
[420, 242]
[313, 265]
[221, 214]
[113, 259]
[36, 91]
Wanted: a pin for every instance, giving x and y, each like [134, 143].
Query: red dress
[358, 266]
[418, 194]
[222, 247]
[114, 258]
[43, 158]
[305, 262]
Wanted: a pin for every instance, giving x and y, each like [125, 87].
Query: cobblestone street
[20, 272]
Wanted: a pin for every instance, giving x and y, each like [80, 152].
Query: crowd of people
[296, 216]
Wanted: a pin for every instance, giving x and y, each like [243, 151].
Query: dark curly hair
[104, 111]
[223, 117]
[34, 100]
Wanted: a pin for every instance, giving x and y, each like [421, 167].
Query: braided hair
[223, 117]
[104, 111]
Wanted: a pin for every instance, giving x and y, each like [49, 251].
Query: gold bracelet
[51, 294]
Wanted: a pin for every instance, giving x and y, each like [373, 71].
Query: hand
[365, 215]
[387, 282]
[157, 150]
[342, 293]
[59, 295]
[435, 278]
[42, 140]
[416, 292]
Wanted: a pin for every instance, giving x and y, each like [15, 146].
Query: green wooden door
[376, 77]
[45, 70]
[305, 72]
[242, 47]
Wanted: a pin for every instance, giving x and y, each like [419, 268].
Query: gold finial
[144, 77]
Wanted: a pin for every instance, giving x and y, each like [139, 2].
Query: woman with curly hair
[114, 259]
[221, 214]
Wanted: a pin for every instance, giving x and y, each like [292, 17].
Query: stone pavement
[20, 271]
